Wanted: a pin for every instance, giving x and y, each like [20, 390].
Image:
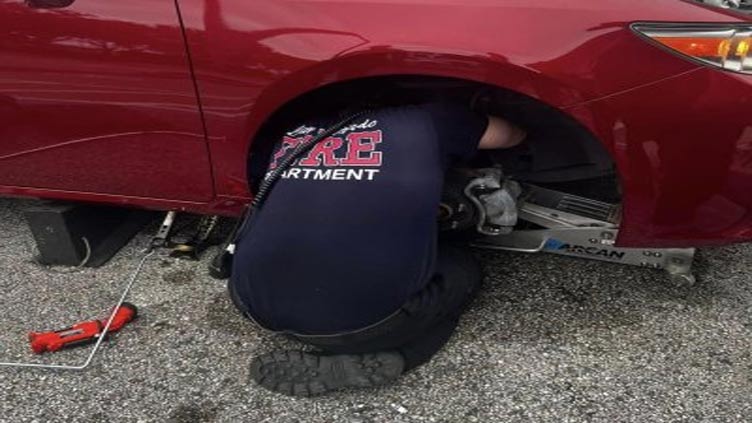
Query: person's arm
[501, 134]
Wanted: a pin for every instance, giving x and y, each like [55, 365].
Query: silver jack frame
[580, 227]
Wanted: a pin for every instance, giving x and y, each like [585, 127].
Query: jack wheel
[684, 279]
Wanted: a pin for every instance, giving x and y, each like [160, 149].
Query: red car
[157, 103]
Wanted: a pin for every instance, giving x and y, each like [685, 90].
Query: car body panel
[251, 58]
[98, 97]
[685, 156]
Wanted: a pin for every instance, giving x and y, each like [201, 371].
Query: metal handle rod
[101, 337]
[158, 241]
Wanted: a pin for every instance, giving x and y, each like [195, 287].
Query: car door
[96, 96]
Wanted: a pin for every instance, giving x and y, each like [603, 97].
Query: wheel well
[558, 152]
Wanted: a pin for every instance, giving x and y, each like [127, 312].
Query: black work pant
[423, 325]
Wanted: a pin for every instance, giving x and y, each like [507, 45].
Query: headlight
[724, 46]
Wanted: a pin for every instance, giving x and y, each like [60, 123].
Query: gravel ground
[549, 339]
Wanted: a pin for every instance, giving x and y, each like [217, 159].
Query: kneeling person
[344, 254]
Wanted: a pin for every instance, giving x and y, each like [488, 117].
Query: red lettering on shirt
[361, 148]
[288, 143]
[324, 150]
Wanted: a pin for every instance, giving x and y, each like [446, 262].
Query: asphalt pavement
[549, 339]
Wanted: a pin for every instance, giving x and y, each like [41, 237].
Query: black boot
[303, 374]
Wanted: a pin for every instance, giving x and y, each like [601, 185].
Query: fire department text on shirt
[331, 174]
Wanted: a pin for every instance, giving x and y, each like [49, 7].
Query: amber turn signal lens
[724, 46]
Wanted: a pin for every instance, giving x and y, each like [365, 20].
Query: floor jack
[121, 314]
[564, 224]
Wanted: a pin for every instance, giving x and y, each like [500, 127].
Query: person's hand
[501, 134]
